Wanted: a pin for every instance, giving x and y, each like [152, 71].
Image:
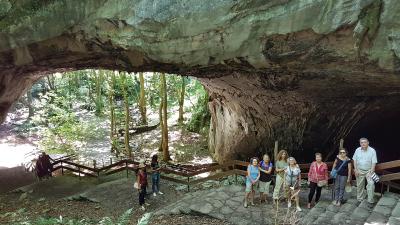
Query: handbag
[136, 185]
[334, 171]
[374, 177]
[320, 183]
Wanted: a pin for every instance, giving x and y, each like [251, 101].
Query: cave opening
[381, 128]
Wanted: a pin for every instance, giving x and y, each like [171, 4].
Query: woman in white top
[292, 182]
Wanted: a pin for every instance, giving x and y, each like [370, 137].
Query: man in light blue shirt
[364, 164]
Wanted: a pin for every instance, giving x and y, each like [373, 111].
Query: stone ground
[226, 203]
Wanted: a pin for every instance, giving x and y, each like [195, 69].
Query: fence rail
[189, 176]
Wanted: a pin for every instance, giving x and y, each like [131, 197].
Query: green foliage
[200, 119]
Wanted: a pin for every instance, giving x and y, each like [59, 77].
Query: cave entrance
[381, 127]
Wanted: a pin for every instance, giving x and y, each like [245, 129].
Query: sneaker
[147, 204]
[308, 205]
[154, 194]
[160, 193]
[334, 202]
[143, 208]
[289, 204]
[298, 209]
[245, 204]
[252, 203]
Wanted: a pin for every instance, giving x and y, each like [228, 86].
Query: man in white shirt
[364, 164]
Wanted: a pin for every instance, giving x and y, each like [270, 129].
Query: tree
[29, 103]
[99, 99]
[181, 100]
[124, 85]
[164, 133]
[142, 100]
[111, 85]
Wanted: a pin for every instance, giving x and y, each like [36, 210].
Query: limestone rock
[302, 72]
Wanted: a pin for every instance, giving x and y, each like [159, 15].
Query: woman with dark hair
[253, 174]
[280, 166]
[342, 165]
[155, 177]
[317, 178]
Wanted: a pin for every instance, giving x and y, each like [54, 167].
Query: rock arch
[301, 72]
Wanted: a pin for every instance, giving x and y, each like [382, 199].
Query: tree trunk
[29, 103]
[51, 82]
[166, 156]
[128, 149]
[142, 99]
[99, 100]
[181, 100]
[111, 84]
[160, 112]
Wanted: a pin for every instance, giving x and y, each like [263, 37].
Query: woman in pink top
[317, 178]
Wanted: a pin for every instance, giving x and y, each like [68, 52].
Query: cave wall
[301, 72]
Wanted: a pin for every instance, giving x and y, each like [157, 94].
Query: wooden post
[110, 160]
[276, 150]
[188, 184]
[341, 142]
[94, 164]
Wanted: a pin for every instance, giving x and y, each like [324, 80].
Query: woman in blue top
[253, 174]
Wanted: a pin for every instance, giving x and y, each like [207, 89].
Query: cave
[381, 128]
[303, 73]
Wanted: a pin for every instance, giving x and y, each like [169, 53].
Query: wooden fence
[188, 175]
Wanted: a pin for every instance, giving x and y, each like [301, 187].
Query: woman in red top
[317, 177]
[142, 184]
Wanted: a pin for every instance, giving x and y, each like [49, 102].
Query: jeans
[313, 187]
[361, 193]
[340, 185]
[155, 182]
[278, 186]
[142, 193]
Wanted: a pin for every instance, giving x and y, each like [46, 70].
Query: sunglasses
[342, 152]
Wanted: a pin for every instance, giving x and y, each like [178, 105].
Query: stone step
[383, 209]
[315, 212]
[361, 213]
[394, 218]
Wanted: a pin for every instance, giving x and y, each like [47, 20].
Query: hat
[141, 164]
[348, 188]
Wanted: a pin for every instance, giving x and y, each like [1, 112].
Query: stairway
[385, 212]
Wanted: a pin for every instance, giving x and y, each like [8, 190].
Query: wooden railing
[188, 175]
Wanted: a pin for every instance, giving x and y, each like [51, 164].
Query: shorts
[250, 187]
[264, 187]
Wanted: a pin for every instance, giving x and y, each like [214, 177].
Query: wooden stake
[341, 143]
[276, 150]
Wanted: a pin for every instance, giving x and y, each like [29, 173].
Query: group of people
[141, 181]
[288, 176]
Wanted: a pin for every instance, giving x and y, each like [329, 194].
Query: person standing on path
[292, 182]
[343, 176]
[155, 176]
[317, 178]
[280, 166]
[253, 175]
[265, 177]
[364, 165]
[141, 185]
